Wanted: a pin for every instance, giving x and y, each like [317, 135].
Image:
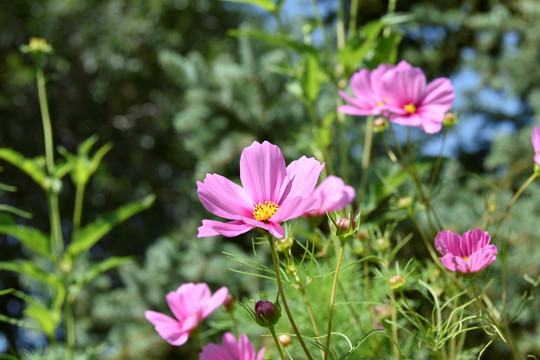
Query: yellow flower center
[380, 103]
[465, 258]
[264, 211]
[410, 108]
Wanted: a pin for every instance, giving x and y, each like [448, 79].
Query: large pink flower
[409, 100]
[272, 192]
[535, 137]
[469, 253]
[368, 96]
[332, 194]
[190, 304]
[231, 350]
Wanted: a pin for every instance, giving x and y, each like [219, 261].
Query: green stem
[235, 325]
[278, 345]
[493, 322]
[354, 15]
[70, 329]
[366, 156]
[57, 243]
[514, 199]
[393, 314]
[284, 300]
[77, 212]
[332, 298]
[438, 164]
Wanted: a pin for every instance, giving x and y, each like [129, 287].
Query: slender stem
[320, 23]
[235, 325]
[284, 300]
[312, 318]
[77, 212]
[332, 298]
[438, 164]
[353, 16]
[46, 120]
[393, 314]
[278, 345]
[494, 322]
[514, 199]
[416, 181]
[57, 243]
[366, 156]
[70, 328]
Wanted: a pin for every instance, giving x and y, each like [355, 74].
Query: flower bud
[382, 244]
[396, 282]
[229, 303]
[405, 201]
[37, 46]
[450, 119]
[267, 314]
[380, 124]
[282, 245]
[285, 340]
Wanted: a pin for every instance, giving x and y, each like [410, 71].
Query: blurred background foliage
[178, 97]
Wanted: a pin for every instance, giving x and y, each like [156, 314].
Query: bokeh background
[179, 97]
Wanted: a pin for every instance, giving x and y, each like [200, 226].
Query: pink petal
[402, 87]
[454, 263]
[245, 349]
[304, 174]
[357, 111]
[272, 226]
[260, 354]
[215, 352]
[480, 260]
[443, 239]
[228, 229]
[294, 207]
[263, 172]
[214, 301]
[406, 119]
[168, 328]
[224, 198]
[332, 194]
[441, 92]
[535, 138]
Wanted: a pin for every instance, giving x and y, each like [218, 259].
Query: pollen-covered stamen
[410, 108]
[264, 211]
[465, 258]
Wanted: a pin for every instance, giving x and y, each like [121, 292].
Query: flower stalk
[332, 298]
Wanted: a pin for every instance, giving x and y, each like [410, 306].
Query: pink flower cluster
[402, 94]
[272, 193]
[469, 253]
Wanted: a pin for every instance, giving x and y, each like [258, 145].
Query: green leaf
[32, 270]
[267, 5]
[32, 238]
[312, 79]
[386, 50]
[86, 237]
[359, 44]
[16, 211]
[46, 319]
[95, 270]
[297, 46]
[35, 168]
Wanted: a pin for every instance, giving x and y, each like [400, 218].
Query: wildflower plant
[364, 264]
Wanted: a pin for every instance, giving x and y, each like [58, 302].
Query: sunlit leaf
[35, 168]
[32, 238]
[89, 235]
[267, 5]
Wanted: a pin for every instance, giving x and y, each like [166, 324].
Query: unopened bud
[285, 340]
[382, 244]
[282, 245]
[37, 46]
[450, 119]
[396, 282]
[267, 314]
[229, 303]
[404, 201]
[380, 124]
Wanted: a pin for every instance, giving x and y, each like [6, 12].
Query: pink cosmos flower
[231, 349]
[190, 304]
[332, 194]
[535, 136]
[366, 87]
[272, 192]
[469, 253]
[410, 101]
